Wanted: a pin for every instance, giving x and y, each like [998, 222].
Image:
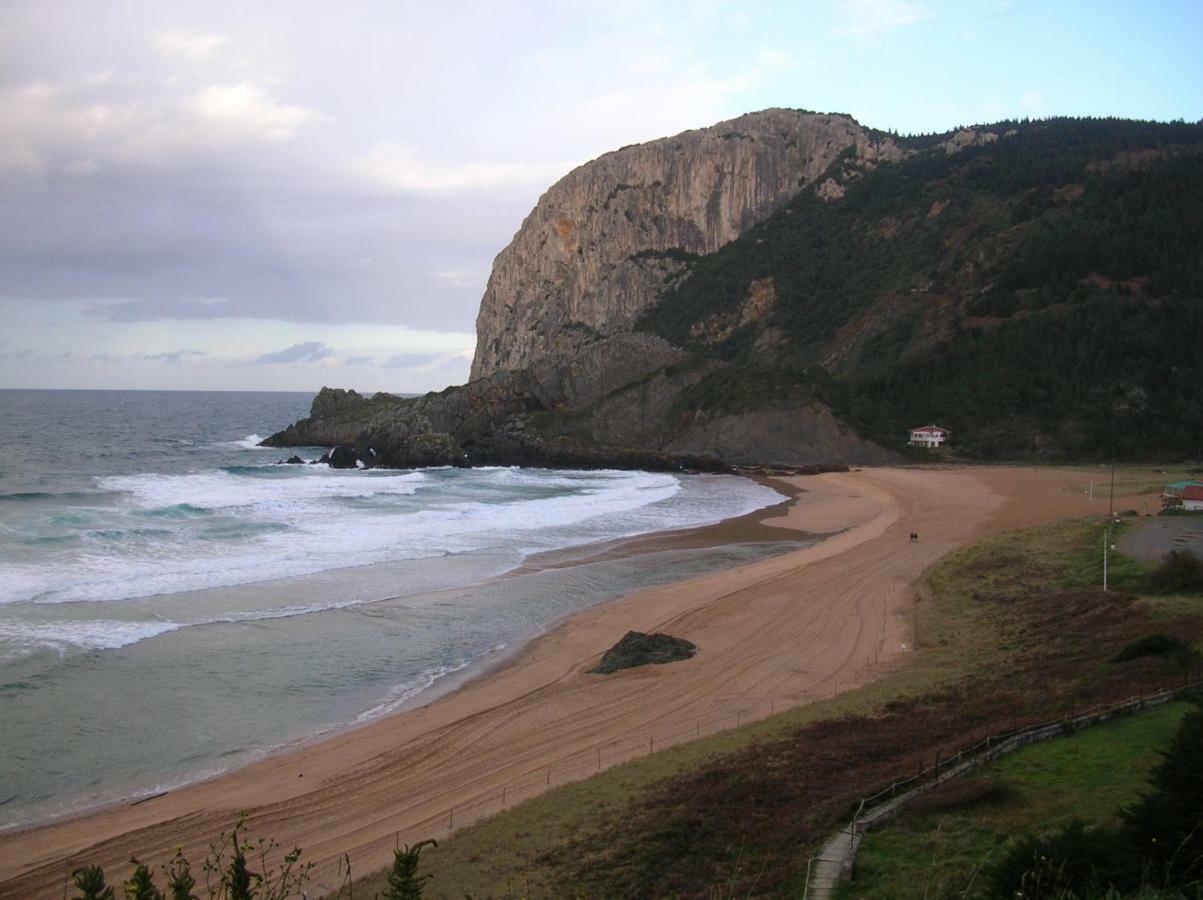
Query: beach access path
[791, 627]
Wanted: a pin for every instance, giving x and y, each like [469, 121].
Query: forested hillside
[1038, 292]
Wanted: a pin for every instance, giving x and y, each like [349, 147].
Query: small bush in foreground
[141, 885]
[404, 882]
[89, 881]
[228, 874]
[1073, 858]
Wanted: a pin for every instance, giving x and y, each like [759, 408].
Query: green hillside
[1039, 293]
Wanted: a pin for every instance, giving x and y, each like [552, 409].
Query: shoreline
[401, 772]
[430, 685]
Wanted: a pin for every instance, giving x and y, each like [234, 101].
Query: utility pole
[1106, 540]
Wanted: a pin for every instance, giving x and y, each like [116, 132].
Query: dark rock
[343, 457]
[616, 403]
[639, 649]
[293, 460]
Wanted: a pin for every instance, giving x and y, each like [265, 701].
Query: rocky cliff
[601, 242]
[560, 375]
[620, 402]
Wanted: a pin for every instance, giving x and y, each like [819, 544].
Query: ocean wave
[52, 496]
[280, 487]
[23, 638]
[250, 442]
[407, 690]
[222, 530]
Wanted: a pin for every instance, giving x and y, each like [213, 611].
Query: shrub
[141, 885]
[1158, 843]
[961, 794]
[228, 874]
[1154, 645]
[1166, 826]
[404, 882]
[89, 881]
[180, 881]
[1182, 572]
[1054, 865]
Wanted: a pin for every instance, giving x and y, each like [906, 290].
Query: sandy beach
[771, 635]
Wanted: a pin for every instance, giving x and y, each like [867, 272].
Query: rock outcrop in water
[617, 403]
[598, 246]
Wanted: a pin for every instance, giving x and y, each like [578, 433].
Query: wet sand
[771, 634]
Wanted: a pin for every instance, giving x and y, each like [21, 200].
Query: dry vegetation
[1010, 632]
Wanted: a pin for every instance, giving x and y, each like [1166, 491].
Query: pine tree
[1166, 826]
[404, 883]
[89, 881]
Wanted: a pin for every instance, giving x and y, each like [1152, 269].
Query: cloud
[867, 19]
[359, 361]
[409, 360]
[463, 278]
[149, 309]
[396, 167]
[171, 357]
[193, 46]
[246, 109]
[307, 352]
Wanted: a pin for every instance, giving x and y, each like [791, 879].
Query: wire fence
[835, 860]
[732, 712]
[726, 713]
[588, 761]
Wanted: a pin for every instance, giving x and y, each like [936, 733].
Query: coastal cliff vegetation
[1036, 287]
[1039, 293]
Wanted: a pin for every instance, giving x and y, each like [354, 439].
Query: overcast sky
[281, 195]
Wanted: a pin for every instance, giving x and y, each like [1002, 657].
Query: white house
[928, 436]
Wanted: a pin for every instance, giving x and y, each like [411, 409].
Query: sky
[200, 194]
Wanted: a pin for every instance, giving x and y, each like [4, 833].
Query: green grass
[934, 849]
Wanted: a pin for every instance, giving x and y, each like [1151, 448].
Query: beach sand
[771, 634]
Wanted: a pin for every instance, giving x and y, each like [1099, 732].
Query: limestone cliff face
[596, 249]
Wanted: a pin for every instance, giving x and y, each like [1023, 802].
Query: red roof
[1193, 492]
[931, 428]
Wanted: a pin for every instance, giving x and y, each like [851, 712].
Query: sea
[175, 602]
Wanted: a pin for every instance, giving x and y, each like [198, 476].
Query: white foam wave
[403, 693]
[95, 634]
[268, 528]
[250, 442]
[227, 490]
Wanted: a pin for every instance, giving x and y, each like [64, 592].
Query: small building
[1183, 495]
[929, 436]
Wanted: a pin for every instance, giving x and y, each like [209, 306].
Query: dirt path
[783, 628]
